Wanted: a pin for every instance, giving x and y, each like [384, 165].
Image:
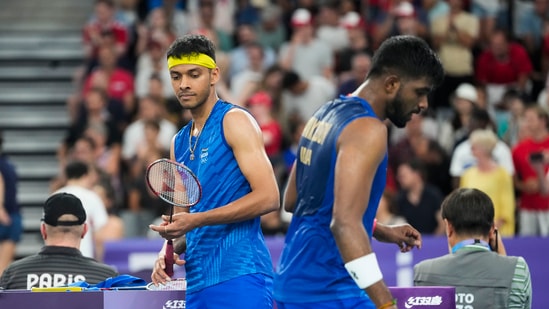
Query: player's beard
[396, 111]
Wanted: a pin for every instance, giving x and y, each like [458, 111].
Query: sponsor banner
[397, 267]
[425, 297]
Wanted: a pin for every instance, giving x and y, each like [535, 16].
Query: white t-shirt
[463, 158]
[135, 133]
[319, 91]
[309, 59]
[96, 215]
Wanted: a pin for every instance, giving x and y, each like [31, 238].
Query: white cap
[351, 20]
[467, 92]
[301, 17]
[404, 9]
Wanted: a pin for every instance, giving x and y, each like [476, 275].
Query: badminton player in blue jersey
[338, 178]
[227, 261]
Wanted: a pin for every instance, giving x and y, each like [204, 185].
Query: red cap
[262, 98]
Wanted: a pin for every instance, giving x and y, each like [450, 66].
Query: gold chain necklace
[191, 147]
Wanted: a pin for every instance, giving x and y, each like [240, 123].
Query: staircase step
[44, 73]
[31, 218]
[30, 244]
[32, 192]
[28, 142]
[44, 40]
[36, 167]
[36, 117]
[52, 53]
[44, 15]
[37, 93]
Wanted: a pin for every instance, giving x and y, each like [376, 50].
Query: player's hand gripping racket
[176, 184]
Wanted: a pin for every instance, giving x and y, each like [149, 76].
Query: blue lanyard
[470, 242]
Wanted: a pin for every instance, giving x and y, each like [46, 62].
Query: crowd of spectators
[282, 59]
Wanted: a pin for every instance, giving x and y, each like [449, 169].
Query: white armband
[364, 270]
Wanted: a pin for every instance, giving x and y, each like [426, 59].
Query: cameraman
[477, 264]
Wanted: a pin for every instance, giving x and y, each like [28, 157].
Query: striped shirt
[54, 266]
[521, 286]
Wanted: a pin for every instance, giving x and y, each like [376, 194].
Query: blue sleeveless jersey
[311, 268]
[220, 252]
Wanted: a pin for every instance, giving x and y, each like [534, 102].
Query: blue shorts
[356, 302]
[14, 230]
[254, 291]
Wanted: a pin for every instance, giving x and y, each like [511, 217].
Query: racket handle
[168, 258]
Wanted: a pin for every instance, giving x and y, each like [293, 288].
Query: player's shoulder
[367, 126]
[238, 115]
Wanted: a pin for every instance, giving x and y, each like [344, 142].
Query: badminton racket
[177, 185]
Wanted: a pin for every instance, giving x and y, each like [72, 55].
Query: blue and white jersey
[220, 252]
[311, 268]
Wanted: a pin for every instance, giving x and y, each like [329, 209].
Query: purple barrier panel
[425, 297]
[144, 299]
[132, 255]
[51, 300]
[141, 299]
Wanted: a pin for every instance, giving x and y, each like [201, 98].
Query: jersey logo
[204, 155]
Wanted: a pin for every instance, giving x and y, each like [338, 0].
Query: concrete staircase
[40, 48]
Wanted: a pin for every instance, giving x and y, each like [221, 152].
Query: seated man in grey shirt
[477, 265]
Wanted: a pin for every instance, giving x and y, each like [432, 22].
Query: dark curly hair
[407, 56]
[191, 44]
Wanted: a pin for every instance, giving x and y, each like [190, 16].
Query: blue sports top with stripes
[220, 252]
[310, 268]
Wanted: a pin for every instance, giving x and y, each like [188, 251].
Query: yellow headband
[198, 59]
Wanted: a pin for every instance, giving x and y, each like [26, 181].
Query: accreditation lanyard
[471, 243]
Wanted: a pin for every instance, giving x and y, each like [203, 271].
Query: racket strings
[174, 184]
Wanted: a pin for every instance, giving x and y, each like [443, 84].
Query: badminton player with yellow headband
[226, 259]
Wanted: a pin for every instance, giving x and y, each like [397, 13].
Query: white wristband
[364, 270]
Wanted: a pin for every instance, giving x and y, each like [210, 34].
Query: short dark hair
[409, 57]
[191, 44]
[417, 166]
[470, 211]
[109, 3]
[76, 169]
[290, 79]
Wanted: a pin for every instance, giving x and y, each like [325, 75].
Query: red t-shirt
[118, 30]
[525, 171]
[120, 83]
[275, 132]
[489, 70]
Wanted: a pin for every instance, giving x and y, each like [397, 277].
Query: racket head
[178, 284]
[173, 182]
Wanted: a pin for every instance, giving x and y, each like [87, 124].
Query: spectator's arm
[529, 186]
[4, 216]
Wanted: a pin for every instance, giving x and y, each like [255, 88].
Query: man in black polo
[59, 262]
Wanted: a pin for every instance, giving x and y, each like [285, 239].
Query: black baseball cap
[63, 204]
